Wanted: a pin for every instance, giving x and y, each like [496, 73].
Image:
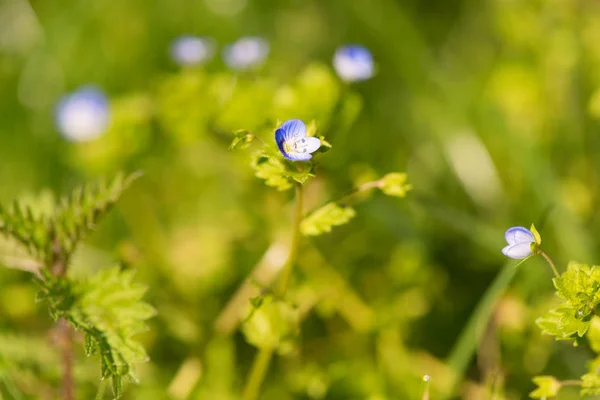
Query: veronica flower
[83, 115]
[353, 63]
[520, 242]
[246, 53]
[190, 50]
[293, 143]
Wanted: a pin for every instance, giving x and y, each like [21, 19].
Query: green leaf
[536, 235]
[80, 212]
[394, 184]
[325, 218]
[590, 385]
[563, 323]
[547, 386]
[31, 232]
[280, 173]
[241, 140]
[579, 285]
[273, 324]
[109, 309]
[272, 170]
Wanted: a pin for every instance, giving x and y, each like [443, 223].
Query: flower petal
[517, 251]
[518, 234]
[295, 128]
[297, 156]
[311, 144]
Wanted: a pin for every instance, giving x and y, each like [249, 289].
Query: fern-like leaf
[109, 309]
[31, 232]
[80, 212]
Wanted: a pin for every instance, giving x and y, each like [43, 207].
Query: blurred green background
[491, 107]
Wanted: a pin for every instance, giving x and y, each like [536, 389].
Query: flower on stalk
[522, 242]
[293, 143]
[188, 50]
[246, 53]
[353, 63]
[83, 115]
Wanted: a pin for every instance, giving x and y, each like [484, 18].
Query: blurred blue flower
[519, 241]
[293, 143]
[83, 115]
[188, 50]
[353, 63]
[246, 53]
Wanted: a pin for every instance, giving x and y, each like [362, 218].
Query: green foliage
[53, 238]
[278, 172]
[32, 232]
[394, 184]
[579, 285]
[272, 323]
[547, 386]
[80, 212]
[563, 323]
[325, 218]
[241, 140]
[108, 308]
[590, 384]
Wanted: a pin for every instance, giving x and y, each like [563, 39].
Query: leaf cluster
[575, 319]
[107, 307]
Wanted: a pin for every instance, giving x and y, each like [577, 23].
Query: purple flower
[519, 241]
[83, 115]
[246, 53]
[188, 50]
[353, 63]
[293, 143]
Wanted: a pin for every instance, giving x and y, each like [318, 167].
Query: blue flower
[246, 53]
[83, 115]
[188, 50]
[519, 242]
[353, 63]
[293, 143]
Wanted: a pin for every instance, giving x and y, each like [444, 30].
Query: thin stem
[343, 198]
[571, 382]
[65, 334]
[289, 264]
[556, 274]
[101, 390]
[66, 343]
[260, 366]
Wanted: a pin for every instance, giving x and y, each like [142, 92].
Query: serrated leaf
[273, 171]
[241, 140]
[80, 212]
[394, 184]
[563, 323]
[547, 386]
[579, 285]
[325, 218]
[31, 232]
[109, 309]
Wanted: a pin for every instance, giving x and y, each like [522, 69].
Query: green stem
[571, 382]
[556, 274]
[343, 198]
[289, 264]
[260, 366]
